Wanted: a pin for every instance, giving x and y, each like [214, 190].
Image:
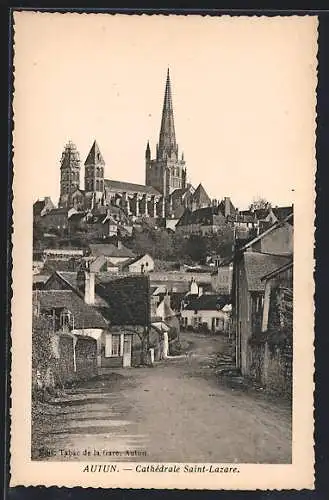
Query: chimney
[119, 244]
[89, 288]
[86, 284]
[200, 291]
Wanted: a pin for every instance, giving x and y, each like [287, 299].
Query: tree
[221, 242]
[259, 203]
[196, 247]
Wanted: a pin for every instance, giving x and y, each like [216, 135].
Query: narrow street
[176, 411]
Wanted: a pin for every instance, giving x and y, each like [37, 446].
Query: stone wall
[271, 366]
[86, 357]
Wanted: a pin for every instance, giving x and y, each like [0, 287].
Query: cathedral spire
[167, 139]
[148, 151]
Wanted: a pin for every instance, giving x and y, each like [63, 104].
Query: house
[226, 207]
[206, 312]
[248, 298]
[101, 225]
[71, 314]
[55, 219]
[244, 224]
[270, 350]
[115, 254]
[39, 281]
[85, 313]
[141, 264]
[277, 239]
[266, 217]
[51, 265]
[122, 302]
[278, 288]
[221, 278]
[202, 221]
[99, 264]
[42, 207]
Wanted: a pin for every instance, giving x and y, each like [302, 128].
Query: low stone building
[140, 264]
[270, 351]
[114, 254]
[205, 312]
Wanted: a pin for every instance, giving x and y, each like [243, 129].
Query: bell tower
[70, 174]
[166, 172]
[94, 176]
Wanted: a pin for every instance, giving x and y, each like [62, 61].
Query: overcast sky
[243, 97]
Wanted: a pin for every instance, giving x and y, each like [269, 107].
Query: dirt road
[175, 411]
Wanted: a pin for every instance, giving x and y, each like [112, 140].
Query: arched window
[97, 185]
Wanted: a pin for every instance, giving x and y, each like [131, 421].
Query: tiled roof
[130, 187]
[96, 265]
[69, 265]
[185, 218]
[282, 212]
[110, 250]
[231, 207]
[127, 299]
[288, 219]
[38, 206]
[178, 192]
[105, 277]
[175, 299]
[205, 216]
[279, 270]
[207, 303]
[69, 277]
[200, 196]
[134, 259]
[77, 216]
[258, 265]
[94, 156]
[85, 316]
[40, 278]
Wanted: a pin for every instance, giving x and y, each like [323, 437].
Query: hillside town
[150, 284]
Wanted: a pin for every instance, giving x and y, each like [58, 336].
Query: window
[219, 323]
[66, 319]
[115, 351]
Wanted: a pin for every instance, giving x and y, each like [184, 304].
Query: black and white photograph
[165, 167]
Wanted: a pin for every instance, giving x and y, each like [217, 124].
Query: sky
[243, 97]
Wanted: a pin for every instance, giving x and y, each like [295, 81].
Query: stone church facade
[166, 192]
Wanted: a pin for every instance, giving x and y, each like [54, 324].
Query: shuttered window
[115, 345]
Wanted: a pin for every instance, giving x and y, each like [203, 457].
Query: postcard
[163, 234]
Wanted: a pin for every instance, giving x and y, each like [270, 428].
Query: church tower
[70, 174]
[94, 177]
[167, 171]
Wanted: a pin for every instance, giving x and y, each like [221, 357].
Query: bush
[173, 333]
[175, 348]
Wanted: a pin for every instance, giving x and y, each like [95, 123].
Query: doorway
[126, 362]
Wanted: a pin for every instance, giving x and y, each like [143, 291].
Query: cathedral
[166, 193]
